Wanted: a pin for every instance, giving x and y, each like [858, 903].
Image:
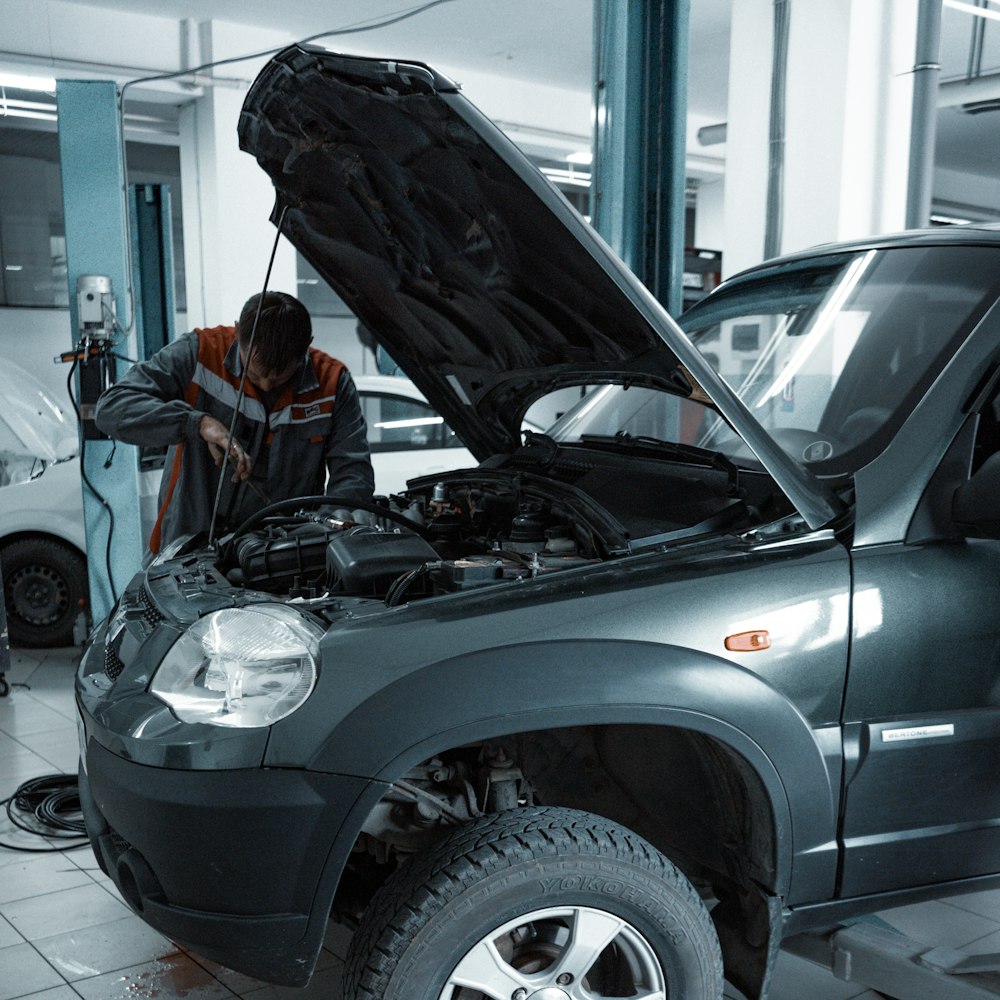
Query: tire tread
[478, 850]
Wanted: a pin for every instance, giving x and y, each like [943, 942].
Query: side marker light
[749, 642]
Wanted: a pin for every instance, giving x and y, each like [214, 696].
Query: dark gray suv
[713, 661]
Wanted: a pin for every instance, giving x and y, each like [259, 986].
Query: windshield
[34, 430]
[830, 354]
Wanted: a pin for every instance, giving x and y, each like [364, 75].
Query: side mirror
[976, 504]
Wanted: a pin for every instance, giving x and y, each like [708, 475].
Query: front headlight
[241, 667]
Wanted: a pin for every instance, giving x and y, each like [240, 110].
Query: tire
[559, 904]
[45, 588]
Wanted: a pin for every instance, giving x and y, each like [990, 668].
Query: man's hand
[215, 434]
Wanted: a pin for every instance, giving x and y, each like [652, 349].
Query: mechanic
[300, 431]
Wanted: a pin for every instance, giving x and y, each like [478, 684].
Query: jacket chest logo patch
[312, 410]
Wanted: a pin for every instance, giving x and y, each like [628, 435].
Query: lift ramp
[891, 963]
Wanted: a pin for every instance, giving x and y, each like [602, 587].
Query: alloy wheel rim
[559, 953]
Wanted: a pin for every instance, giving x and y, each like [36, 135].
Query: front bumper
[232, 864]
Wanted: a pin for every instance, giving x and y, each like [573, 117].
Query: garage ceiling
[550, 42]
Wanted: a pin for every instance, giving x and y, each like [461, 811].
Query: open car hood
[34, 429]
[463, 261]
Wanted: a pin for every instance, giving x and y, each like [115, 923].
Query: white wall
[227, 198]
[833, 67]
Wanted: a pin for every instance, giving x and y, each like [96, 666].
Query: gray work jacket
[312, 440]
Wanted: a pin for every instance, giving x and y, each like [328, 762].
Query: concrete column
[227, 198]
[847, 109]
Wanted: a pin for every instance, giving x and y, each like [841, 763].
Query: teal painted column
[152, 267]
[640, 102]
[93, 190]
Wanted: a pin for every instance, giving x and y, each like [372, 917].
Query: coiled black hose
[49, 807]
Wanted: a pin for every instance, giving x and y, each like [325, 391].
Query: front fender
[552, 684]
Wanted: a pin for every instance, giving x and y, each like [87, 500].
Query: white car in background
[42, 538]
[407, 437]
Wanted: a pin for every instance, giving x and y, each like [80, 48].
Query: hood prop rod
[224, 467]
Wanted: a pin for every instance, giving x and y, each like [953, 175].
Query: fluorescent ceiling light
[969, 8]
[584, 156]
[18, 82]
[391, 425]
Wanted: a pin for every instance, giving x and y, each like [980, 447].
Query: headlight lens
[240, 667]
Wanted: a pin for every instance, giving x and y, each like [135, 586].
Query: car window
[833, 353]
[613, 409]
[399, 424]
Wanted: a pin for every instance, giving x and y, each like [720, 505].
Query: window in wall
[32, 229]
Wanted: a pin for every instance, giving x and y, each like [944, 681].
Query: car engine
[479, 527]
[453, 535]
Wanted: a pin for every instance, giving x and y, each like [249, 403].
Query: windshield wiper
[683, 452]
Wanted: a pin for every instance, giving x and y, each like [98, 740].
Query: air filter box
[365, 560]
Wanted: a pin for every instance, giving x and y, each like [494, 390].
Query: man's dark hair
[284, 330]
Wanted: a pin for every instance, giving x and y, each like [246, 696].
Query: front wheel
[536, 904]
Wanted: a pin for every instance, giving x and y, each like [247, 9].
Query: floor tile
[324, 985]
[23, 970]
[798, 979]
[22, 665]
[8, 936]
[240, 983]
[60, 748]
[986, 904]
[84, 860]
[83, 906]
[17, 770]
[54, 675]
[21, 715]
[55, 695]
[937, 923]
[243, 984]
[36, 875]
[9, 747]
[103, 948]
[173, 976]
[337, 939]
[56, 993]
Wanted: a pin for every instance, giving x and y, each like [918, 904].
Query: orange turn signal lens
[749, 642]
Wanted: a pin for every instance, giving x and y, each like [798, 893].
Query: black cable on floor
[48, 806]
[90, 486]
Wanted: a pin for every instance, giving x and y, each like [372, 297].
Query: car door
[922, 708]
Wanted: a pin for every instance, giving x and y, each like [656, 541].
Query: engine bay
[457, 536]
[482, 527]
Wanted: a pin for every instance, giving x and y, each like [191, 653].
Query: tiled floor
[65, 934]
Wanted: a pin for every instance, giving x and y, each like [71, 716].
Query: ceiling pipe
[121, 71]
[923, 120]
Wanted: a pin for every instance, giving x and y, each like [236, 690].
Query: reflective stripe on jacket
[312, 435]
